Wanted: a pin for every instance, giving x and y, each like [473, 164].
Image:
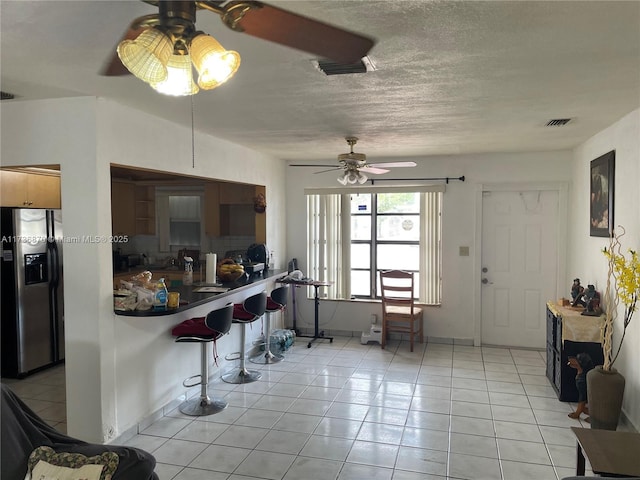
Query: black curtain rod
[446, 179]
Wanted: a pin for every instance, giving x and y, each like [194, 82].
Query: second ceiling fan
[355, 166]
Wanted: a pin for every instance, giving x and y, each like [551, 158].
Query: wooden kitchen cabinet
[236, 193]
[261, 219]
[123, 215]
[145, 210]
[29, 190]
[212, 209]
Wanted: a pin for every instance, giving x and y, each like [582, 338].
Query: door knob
[486, 281]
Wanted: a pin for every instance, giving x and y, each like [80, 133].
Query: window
[179, 213]
[184, 220]
[354, 235]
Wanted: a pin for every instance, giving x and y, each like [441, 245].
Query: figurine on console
[591, 300]
[576, 292]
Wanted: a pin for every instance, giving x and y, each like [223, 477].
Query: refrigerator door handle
[55, 261]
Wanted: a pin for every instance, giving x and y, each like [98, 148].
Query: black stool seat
[203, 330]
[246, 312]
[276, 302]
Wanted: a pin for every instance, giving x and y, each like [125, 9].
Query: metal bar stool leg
[268, 357]
[242, 375]
[202, 405]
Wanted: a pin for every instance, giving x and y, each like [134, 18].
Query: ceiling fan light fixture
[351, 177]
[214, 64]
[146, 57]
[179, 81]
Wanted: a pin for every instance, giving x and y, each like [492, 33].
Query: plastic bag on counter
[143, 279]
[145, 298]
[124, 300]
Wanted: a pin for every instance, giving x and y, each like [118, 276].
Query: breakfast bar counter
[199, 294]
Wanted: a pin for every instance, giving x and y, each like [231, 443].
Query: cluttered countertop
[190, 295]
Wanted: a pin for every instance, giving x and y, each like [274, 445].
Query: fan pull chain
[193, 141]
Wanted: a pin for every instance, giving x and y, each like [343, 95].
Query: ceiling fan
[354, 165]
[173, 28]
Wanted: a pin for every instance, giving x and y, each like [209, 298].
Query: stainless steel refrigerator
[32, 333]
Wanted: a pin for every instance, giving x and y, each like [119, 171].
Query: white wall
[455, 318]
[120, 369]
[585, 259]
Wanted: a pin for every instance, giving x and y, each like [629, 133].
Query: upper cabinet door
[44, 191]
[123, 215]
[13, 189]
[28, 190]
[236, 193]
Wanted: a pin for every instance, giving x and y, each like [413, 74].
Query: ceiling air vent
[6, 96]
[558, 122]
[331, 68]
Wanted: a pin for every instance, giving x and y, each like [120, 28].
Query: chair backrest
[256, 304]
[221, 319]
[396, 288]
[280, 295]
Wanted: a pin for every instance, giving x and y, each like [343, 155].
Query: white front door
[519, 265]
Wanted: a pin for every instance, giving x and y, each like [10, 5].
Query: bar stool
[275, 303]
[246, 312]
[204, 330]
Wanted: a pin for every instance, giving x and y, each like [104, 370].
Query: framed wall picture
[601, 195]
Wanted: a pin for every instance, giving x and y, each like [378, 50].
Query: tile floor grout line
[395, 377]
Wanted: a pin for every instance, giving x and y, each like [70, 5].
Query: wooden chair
[399, 313]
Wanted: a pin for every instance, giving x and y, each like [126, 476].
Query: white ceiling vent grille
[331, 68]
[558, 122]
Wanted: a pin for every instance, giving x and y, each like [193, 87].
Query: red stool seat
[240, 314]
[194, 327]
[273, 306]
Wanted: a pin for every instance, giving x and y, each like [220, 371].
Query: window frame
[373, 242]
[329, 240]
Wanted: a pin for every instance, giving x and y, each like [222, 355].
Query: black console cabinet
[561, 375]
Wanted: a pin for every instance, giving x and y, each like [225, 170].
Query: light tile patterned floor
[347, 411]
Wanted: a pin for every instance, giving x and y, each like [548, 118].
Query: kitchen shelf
[145, 210]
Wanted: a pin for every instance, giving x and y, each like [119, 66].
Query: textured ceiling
[452, 76]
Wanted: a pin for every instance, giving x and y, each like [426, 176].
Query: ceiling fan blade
[330, 170]
[310, 165]
[375, 171]
[392, 164]
[293, 30]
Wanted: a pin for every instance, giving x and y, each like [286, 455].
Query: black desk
[317, 334]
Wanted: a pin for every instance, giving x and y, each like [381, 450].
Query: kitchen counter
[190, 298]
[169, 274]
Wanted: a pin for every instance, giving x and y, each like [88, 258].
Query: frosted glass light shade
[179, 81]
[147, 56]
[214, 64]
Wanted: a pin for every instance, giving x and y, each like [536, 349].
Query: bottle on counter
[187, 277]
[161, 296]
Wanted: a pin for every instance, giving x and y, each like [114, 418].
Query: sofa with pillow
[27, 441]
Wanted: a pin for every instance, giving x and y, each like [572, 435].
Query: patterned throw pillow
[47, 471]
[108, 460]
